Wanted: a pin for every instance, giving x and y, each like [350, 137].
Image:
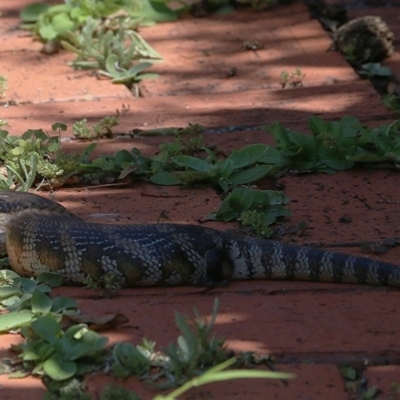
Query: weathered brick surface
[309, 328]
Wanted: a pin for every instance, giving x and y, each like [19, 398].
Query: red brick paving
[309, 328]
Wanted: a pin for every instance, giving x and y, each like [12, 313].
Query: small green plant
[56, 21]
[70, 391]
[103, 129]
[355, 384]
[292, 79]
[34, 155]
[337, 145]
[243, 166]
[112, 52]
[256, 209]
[101, 33]
[392, 101]
[50, 351]
[27, 299]
[3, 85]
[197, 348]
[370, 70]
[394, 391]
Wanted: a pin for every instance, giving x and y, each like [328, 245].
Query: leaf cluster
[112, 51]
[257, 209]
[47, 350]
[101, 33]
[337, 145]
[51, 351]
[34, 155]
[54, 22]
[3, 85]
[27, 299]
[241, 167]
[187, 160]
[196, 349]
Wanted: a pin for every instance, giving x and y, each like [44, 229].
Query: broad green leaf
[123, 156]
[47, 32]
[46, 350]
[250, 175]
[305, 142]
[90, 344]
[223, 209]
[278, 132]
[3, 134]
[262, 197]
[17, 151]
[189, 177]
[104, 163]
[30, 354]
[350, 126]
[146, 75]
[137, 69]
[292, 143]
[229, 215]
[317, 125]
[31, 12]
[47, 328]
[50, 278]
[274, 197]
[59, 369]
[9, 291]
[164, 178]
[62, 23]
[374, 69]
[27, 285]
[247, 155]
[53, 147]
[225, 168]
[241, 199]
[34, 133]
[63, 303]
[273, 156]
[281, 211]
[15, 320]
[41, 303]
[12, 302]
[194, 163]
[59, 125]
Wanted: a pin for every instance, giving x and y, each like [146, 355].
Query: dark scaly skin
[42, 235]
